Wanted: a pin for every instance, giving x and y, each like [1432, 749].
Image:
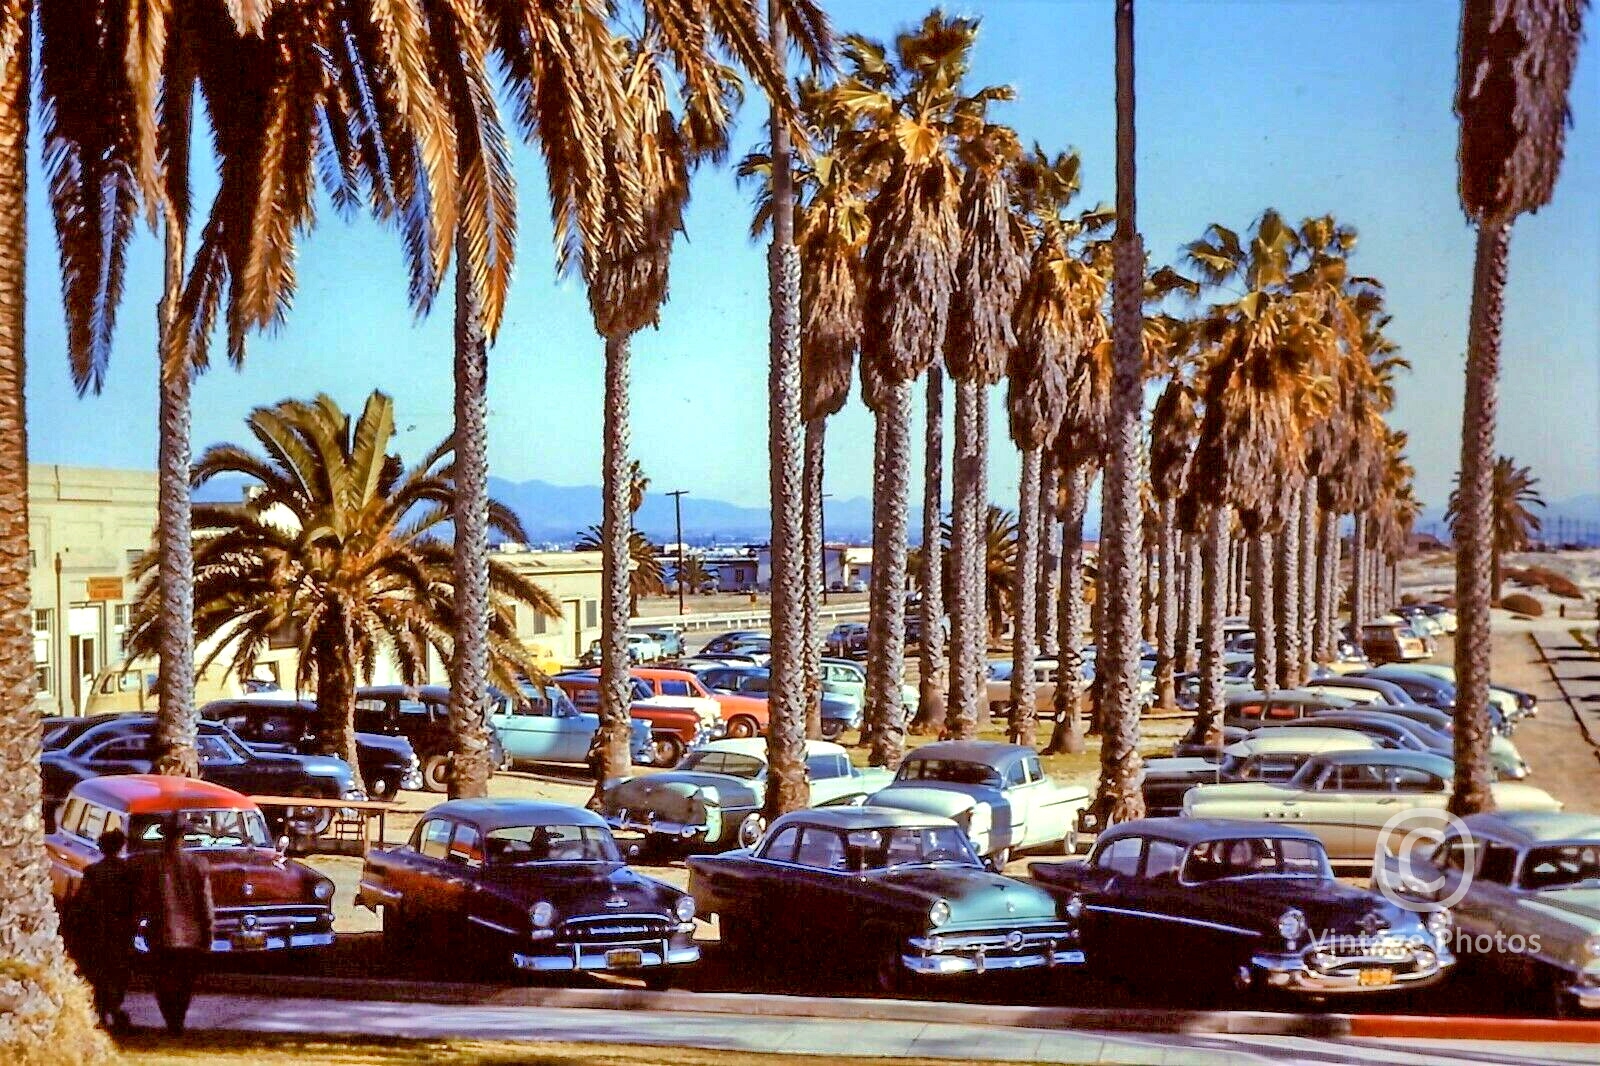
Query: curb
[1089, 1019]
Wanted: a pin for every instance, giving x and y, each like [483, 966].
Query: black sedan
[1239, 906]
[422, 716]
[915, 897]
[125, 744]
[540, 887]
[387, 763]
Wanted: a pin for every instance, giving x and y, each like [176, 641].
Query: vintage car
[1513, 704]
[713, 800]
[674, 727]
[263, 901]
[1251, 709]
[998, 793]
[1428, 689]
[997, 687]
[1265, 755]
[669, 640]
[1243, 906]
[387, 764]
[1529, 915]
[672, 687]
[422, 716]
[1431, 729]
[753, 683]
[847, 680]
[541, 725]
[726, 642]
[917, 900]
[1347, 797]
[537, 886]
[847, 640]
[125, 744]
[1390, 639]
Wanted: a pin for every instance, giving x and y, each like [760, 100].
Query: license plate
[249, 941]
[1375, 977]
[624, 958]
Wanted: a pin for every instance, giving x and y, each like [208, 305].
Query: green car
[914, 897]
[847, 680]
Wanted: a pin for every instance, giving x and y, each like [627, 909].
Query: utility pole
[677, 517]
[822, 527]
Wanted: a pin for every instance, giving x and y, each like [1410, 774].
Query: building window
[41, 678]
[133, 556]
[119, 626]
[33, 559]
[41, 620]
[540, 623]
[591, 614]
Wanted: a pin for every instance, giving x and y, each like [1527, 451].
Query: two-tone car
[1239, 906]
[1348, 797]
[713, 800]
[674, 727]
[998, 793]
[1526, 891]
[1265, 755]
[755, 682]
[846, 679]
[387, 763]
[263, 901]
[538, 887]
[917, 900]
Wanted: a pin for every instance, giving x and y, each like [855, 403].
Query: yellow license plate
[1375, 977]
[624, 958]
[249, 941]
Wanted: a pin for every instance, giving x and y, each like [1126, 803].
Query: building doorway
[572, 612]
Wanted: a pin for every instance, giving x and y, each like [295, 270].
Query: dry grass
[1522, 603]
[250, 1049]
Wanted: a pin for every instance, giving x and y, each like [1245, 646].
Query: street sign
[104, 588]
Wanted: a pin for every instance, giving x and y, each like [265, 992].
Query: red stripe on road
[1531, 1030]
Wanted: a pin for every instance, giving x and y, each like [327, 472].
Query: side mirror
[283, 845]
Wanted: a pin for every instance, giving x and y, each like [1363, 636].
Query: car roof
[1191, 831]
[230, 702]
[993, 752]
[157, 794]
[490, 814]
[756, 747]
[847, 818]
[1366, 684]
[1277, 739]
[1282, 696]
[1526, 828]
[434, 692]
[1420, 760]
[1397, 670]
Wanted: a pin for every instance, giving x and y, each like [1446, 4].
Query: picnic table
[348, 831]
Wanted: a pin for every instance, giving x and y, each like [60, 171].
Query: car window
[780, 846]
[371, 705]
[1409, 779]
[724, 762]
[93, 822]
[220, 828]
[952, 771]
[1162, 857]
[1035, 771]
[1561, 867]
[1497, 864]
[821, 849]
[672, 686]
[511, 845]
[823, 767]
[1272, 767]
[1248, 710]
[413, 707]
[71, 815]
[911, 846]
[1362, 777]
[434, 840]
[216, 751]
[1217, 860]
[466, 846]
[1016, 774]
[1120, 856]
[137, 747]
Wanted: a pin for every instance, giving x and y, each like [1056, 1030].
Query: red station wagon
[263, 901]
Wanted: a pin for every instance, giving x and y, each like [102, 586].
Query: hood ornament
[1372, 922]
[617, 902]
[247, 890]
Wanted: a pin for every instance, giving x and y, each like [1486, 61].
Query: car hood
[840, 707]
[397, 748]
[1180, 767]
[1515, 796]
[976, 896]
[934, 798]
[1331, 908]
[581, 887]
[675, 787]
[241, 877]
[1580, 906]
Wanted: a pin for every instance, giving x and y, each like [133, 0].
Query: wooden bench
[349, 831]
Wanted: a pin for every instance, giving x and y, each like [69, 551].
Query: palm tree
[646, 576]
[695, 574]
[1517, 58]
[933, 663]
[638, 486]
[335, 545]
[1512, 492]
[1074, 481]
[1173, 426]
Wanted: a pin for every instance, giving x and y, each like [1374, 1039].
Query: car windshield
[1225, 860]
[890, 849]
[517, 844]
[203, 829]
[951, 771]
[724, 762]
[1563, 866]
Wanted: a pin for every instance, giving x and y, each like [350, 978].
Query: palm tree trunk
[933, 665]
[1494, 567]
[609, 756]
[1117, 663]
[871, 710]
[1189, 604]
[175, 716]
[1235, 563]
[1024, 701]
[1149, 598]
[966, 612]
[980, 555]
[1049, 561]
[336, 689]
[1167, 608]
[473, 764]
[1308, 579]
[1260, 551]
[1067, 736]
[1214, 570]
[787, 789]
[1286, 593]
[1327, 584]
[1358, 583]
[47, 1016]
[815, 445]
[889, 580]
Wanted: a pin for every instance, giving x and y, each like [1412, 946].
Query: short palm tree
[1513, 493]
[646, 576]
[335, 544]
[1516, 63]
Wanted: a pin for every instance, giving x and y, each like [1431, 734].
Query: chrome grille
[618, 929]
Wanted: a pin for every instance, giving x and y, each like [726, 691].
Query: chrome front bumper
[1586, 991]
[412, 781]
[982, 952]
[591, 957]
[650, 827]
[1292, 972]
[275, 941]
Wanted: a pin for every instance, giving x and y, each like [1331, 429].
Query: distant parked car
[847, 640]
[1441, 614]
[643, 648]
[669, 641]
[1512, 704]
[847, 680]
[673, 728]
[1265, 755]
[1420, 621]
[388, 764]
[997, 687]
[1423, 687]
[858, 585]
[998, 793]
[422, 716]
[838, 714]
[725, 643]
[542, 725]
[1390, 639]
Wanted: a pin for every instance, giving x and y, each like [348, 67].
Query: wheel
[888, 972]
[832, 729]
[743, 727]
[1553, 998]
[308, 821]
[436, 773]
[751, 828]
[997, 861]
[666, 749]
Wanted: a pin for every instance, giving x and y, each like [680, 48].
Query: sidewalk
[819, 1036]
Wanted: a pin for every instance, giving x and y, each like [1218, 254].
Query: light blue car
[542, 725]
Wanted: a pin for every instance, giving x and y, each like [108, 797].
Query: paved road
[899, 1039]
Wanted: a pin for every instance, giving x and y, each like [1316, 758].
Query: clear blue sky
[1339, 107]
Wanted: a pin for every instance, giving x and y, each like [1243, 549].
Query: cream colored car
[998, 687]
[1347, 798]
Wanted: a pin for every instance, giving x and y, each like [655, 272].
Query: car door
[815, 894]
[532, 732]
[131, 753]
[740, 887]
[1321, 806]
[427, 894]
[1407, 789]
[1113, 914]
[831, 780]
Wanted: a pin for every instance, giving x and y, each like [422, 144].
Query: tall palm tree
[1074, 481]
[337, 547]
[1512, 492]
[1173, 426]
[1516, 64]
[933, 665]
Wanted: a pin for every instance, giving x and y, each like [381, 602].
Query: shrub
[1522, 603]
[1557, 583]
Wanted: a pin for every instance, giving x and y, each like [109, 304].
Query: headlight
[1075, 907]
[1440, 923]
[1591, 948]
[684, 908]
[323, 890]
[543, 914]
[1292, 925]
[939, 913]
